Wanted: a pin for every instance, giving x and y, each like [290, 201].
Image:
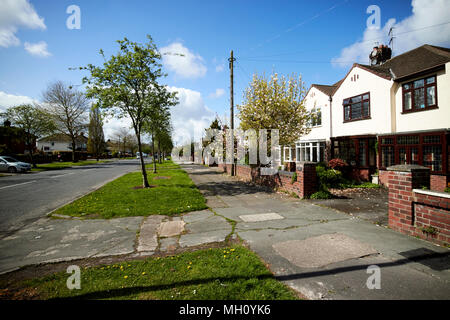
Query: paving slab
[53, 240]
[210, 223]
[168, 244]
[196, 239]
[322, 250]
[171, 228]
[260, 217]
[148, 234]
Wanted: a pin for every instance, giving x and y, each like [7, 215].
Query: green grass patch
[66, 164]
[369, 185]
[210, 274]
[173, 193]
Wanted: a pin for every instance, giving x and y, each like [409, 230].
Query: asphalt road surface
[25, 198]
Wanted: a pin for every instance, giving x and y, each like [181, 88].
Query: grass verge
[64, 165]
[220, 274]
[173, 192]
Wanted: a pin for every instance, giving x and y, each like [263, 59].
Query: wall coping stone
[286, 173]
[433, 193]
[407, 168]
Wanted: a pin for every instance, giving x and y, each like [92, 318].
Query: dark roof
[412, 62]
[423, 58]
[328, 90]
[62, 138]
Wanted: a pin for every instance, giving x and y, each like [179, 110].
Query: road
[24, 198]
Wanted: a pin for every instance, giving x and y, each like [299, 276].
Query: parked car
[13, 165]
[138, 155]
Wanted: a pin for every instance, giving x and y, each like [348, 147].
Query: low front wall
[415, 211]
[303, 186]
[432, 209]
[437, 182]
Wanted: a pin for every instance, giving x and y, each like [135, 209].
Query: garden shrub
[294, 178]
[329, 178]
[337, 164]
[322, 194]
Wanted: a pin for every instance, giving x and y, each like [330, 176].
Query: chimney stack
[380, 55]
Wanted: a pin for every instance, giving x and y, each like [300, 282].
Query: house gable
[360, 81]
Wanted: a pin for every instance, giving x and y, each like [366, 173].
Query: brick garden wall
[305, 184]
[415, 211]
[437, 182]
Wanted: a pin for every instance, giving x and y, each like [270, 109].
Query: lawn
[172, 192]
[64, 165]
[209, 274]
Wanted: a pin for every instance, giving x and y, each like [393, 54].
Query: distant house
[61, 142]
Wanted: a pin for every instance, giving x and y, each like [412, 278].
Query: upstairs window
[420, 94]
[316, 119]
[357, 108]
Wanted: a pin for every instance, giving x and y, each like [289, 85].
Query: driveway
[370, 204]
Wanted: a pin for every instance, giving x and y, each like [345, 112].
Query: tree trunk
[141, 158]
[159, 152]
[30, 149]
[73, 150]
[153, 153]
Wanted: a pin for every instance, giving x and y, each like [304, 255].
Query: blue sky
[311, 38]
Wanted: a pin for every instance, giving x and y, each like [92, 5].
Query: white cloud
[112, 125]
[189, 65]
[37, 49]
[190, 117]
[10, 100]
[425, 13]
[218, 93]
[15, 14]
[220, 68]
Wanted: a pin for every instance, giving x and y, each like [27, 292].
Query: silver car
[12, 165]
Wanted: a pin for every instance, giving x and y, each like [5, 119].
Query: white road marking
[62, 175]
[18, 184]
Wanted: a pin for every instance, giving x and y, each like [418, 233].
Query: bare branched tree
[69, 109]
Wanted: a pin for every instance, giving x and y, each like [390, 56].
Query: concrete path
[324, 253]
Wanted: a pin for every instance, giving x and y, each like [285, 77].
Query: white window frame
[309, 145]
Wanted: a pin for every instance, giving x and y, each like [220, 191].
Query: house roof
[420, 59]
[59, 137]
[328, 90]
[412, 62]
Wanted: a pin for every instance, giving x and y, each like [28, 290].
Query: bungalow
[397, 112]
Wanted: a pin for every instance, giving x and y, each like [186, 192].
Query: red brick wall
[437, 182]
[383, 178]
[434, 211]
[410, 211]
[304, 186]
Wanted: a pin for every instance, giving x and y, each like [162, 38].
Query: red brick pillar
[402, 179]
[307, 178]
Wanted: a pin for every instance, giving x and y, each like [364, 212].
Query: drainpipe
[331, 114]
[331, 124]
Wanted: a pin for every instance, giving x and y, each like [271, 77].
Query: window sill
[353, 120]
[419, 110]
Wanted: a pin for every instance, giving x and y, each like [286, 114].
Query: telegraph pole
[231, 60]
